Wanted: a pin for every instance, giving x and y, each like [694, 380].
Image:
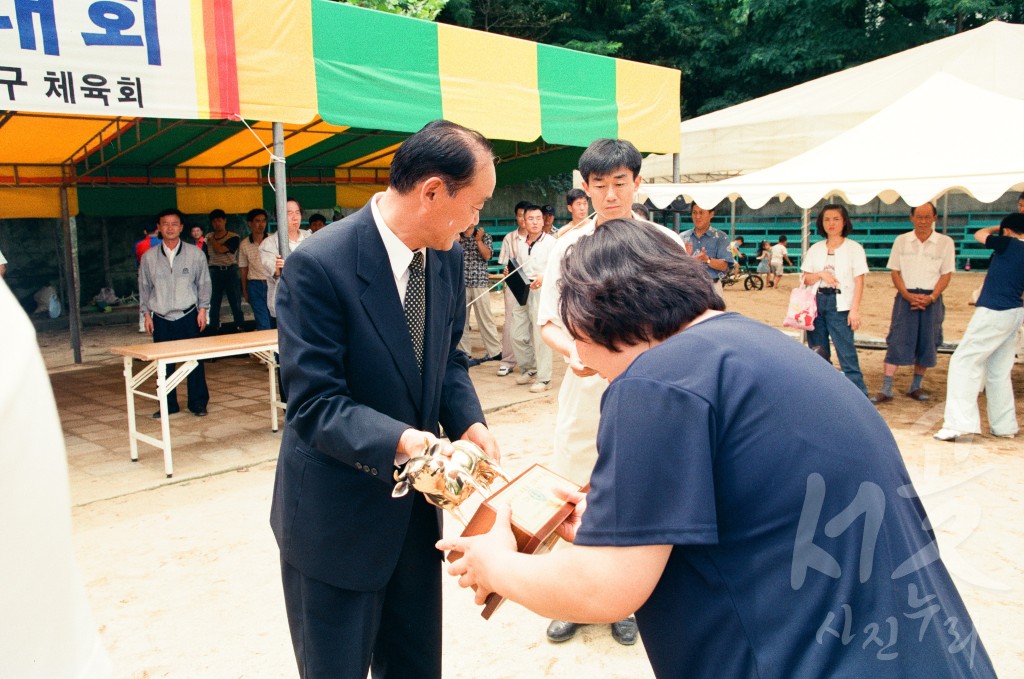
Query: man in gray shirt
[174, 297]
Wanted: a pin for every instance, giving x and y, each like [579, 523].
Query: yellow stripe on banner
[648, 100]
[231, 199]
[489, 83]
[199, 50]
[276, 76]
[35, 203]
[356, 195]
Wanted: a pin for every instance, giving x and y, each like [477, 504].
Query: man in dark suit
[370, 363]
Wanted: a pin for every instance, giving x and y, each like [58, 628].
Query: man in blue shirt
[709, 245]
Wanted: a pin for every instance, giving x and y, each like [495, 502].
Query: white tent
[945, 134]
[765, 131]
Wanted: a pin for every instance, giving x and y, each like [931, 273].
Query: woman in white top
[837, 266]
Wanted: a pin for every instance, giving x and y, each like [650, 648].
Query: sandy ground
[182, 573]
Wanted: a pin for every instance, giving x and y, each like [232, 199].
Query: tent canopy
[945, 134]
[766, 131]
[350, 84]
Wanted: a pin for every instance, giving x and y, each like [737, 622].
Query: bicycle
[751, 279]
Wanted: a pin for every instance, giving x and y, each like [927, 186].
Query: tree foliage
[420, 9]
[733, 50]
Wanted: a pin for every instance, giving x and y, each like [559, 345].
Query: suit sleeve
[314, 346]
[460, 406]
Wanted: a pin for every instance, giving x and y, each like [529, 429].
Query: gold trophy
[447, 482]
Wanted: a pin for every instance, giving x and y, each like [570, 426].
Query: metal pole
[71, 264]
[732, 222]
[945, 212]
[805, 231]
[675, 180]
[281, 188]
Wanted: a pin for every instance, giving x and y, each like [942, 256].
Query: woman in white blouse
[837, 266]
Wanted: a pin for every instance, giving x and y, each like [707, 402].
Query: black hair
[317, 217]
[914, 207]
[634, 265]
[254, 213]
[741, 239]
[171, 211]
[218, 214]
[847, 224]
[573, 195]
[441, 149]
[522, 205]
[783, 239]
[530, 207]
[1012, 222]
[641, 210]
[604, 156]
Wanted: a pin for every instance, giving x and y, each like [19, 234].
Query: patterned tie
[416, 306]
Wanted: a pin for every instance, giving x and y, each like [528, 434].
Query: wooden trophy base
[536, 513]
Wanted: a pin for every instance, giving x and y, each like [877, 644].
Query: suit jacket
[353, 387]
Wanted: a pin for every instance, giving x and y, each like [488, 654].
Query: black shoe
[199, 413]
[473, 362]
[560, 630]
[624, 631]
[496, 357]
[156, 415]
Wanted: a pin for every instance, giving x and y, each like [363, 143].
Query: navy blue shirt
[799, 546]
[715, 243]
[1004, 282]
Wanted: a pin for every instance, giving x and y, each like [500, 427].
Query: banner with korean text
[143, 58]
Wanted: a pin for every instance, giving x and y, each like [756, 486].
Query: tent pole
[675, 180]
[71, 263]
[805, 231]
[281, 190]
[732, 216]
[945, 212]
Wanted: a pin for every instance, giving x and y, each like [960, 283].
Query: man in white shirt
[534, 251]
[509, 360]
[922, 263]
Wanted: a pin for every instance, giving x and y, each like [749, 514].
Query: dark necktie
[416, 306]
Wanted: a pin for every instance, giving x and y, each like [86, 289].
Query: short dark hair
[522, 205]
[741, 239]
[317, 217]
[1012, 222]
[530, 207]
[218, 214]
[641, 209]
[573, 195]
[783, 239]
[171, 211]
[441, 149]
[847, 224]
[603, 156]
[634, 265]
[254, 213]
[914, 207]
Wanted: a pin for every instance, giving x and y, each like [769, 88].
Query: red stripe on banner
[221, 66]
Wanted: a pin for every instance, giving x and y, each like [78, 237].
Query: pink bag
[803, 308]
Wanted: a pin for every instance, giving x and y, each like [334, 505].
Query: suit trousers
[186, 327]
[478, 300]
[225, 280]
[522, 335]
[393, 632]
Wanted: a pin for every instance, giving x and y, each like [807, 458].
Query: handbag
[803, 308]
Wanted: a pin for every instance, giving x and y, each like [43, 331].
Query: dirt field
[182, 574]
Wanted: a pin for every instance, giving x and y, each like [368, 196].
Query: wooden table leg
[129, 388]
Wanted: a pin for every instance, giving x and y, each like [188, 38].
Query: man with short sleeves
[922, 263]
[254, 276]
[174, 296]
[222, 249]
[476, 252]
[709, 245]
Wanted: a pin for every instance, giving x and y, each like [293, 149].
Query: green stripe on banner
[374, 69]
[577, 96]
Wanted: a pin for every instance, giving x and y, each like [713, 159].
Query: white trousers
[522, 335]
[479, 301]
[986, 353]
[508, 356]
[579, 414]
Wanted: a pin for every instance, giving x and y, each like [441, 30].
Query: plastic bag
[803, 308]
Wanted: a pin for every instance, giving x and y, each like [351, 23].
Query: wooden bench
[187, 353]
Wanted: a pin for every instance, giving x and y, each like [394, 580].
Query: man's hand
[478, 234]
[482, 555]
[479, 434]
[576, 365]
[147, 320]
[201, 319]
[853, 320]
[537, 282]
[414, 443]
[278, 265]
